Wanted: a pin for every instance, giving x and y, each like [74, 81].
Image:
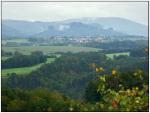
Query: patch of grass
[49, 49]
[49, 60]
[24, 70]
[17, 40]
[117, 54]
[5, 58]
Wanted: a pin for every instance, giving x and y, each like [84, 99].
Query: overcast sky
[55, 11]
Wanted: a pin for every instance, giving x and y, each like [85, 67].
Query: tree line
[20, 60]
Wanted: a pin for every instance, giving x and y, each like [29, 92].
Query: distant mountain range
[105, 26]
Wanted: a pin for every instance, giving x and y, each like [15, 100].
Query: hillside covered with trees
[85, 81]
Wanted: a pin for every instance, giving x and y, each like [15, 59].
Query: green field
[46, 50]
[4, 58]
[17, 40]
[25, 70]
[49, 49]
[117, 54]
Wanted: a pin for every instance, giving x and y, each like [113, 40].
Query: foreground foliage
[97, 84]
[123, 98]
[102, 98]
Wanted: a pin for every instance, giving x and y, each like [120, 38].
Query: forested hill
[71, 73]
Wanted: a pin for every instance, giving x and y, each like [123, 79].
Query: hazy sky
[54, 11]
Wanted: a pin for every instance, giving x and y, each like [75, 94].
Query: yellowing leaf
[114, 72]
[101, 69]
[97, 70]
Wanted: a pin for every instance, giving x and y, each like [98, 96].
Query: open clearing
[24, 70]
[46, 50]
[49, 49]
[117, 54]
[4, 58]
[17, 40]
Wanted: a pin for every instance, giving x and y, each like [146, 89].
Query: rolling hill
[104, 26]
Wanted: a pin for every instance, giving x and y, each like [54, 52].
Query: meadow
[117, 54]
[45, 49]
[4, 57]
[49, 49]
[17, 40]
[24, 70]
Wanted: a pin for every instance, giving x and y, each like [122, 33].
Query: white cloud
[54, 11]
